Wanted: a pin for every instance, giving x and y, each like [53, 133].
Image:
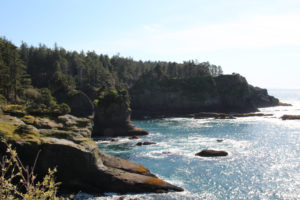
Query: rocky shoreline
[64, 142]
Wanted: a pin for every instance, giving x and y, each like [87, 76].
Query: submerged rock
[112, 116]
[211, 153]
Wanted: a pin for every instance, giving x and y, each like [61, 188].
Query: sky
[259, 39]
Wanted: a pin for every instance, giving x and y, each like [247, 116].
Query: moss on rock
[28, 119]
[15, 110]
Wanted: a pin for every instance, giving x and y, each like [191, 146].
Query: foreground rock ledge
[81, 166]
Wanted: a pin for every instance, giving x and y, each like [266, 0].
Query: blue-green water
[263, 161]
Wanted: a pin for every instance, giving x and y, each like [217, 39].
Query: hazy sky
[260, 39]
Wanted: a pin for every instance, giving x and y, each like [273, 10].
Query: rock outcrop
[112, 116]
[260, 98]
[80, 164]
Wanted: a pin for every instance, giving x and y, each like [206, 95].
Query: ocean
[263, 160]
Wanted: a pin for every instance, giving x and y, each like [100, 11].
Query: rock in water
[211, 153]
[112, 116]
[144, 143]
[133, 137]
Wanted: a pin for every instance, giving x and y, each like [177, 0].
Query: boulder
[11, 120]
[211, 153]
[112, 116]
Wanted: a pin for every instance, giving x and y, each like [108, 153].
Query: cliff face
[234, 92]
[81, 166]
[174, 96]
[163, 96]
[260, 97]
[112, 115]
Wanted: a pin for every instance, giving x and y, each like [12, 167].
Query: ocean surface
[263, 161]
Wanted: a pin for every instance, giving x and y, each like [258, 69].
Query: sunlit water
[263, 161]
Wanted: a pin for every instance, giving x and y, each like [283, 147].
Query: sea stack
[112, 115]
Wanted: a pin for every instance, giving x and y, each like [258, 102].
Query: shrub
[111, 96]
[19, 182]
[64, 108]
[32, 94]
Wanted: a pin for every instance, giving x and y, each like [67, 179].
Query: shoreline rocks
[145, 143]
[133, 137]
[290, 117]
[284, 104]
[204, 115]
[211, 153]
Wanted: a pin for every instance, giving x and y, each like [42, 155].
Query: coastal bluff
[162, 96]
